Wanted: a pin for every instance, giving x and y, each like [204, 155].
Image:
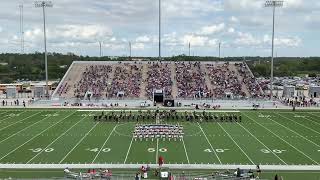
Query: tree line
[31, 66]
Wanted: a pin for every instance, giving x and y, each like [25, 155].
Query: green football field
[68, 136]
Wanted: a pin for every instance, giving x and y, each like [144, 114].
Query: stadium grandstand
[176, 80]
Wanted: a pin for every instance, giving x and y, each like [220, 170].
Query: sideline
[171, 166]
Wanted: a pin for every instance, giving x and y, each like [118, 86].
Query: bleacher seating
[182, 80]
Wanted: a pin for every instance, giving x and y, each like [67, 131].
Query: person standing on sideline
[160, 161]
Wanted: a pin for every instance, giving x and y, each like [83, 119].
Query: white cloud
[313, 20]
[213, 42]
[138, 46]
[33, 34]
[293, 4]
[190, 8]
[79, 32]
[283, 41]
[234, 19]
[171, 39]
[75, 25]
[231, 30]
[113, 39]
[143, 39]
[208, 30]
[195, 40]
[243, 5]
[70, 33]
[246, 39]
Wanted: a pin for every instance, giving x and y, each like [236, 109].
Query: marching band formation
[167, 116]
[152, 131]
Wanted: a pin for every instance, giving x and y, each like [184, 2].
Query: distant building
[289, 91]
[314, 91]
[3, 87]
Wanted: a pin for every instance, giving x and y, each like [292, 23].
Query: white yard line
[54, 141]
[295, 132]
[300, 123]
[125, 160]
[209, 143]
[36, 136]
[236, 144]
[283, 140]
[3, 112]
[105, 142]
[262, 144]
[313, 118]
[157, 151]
[11, 117]
[78, 143]
[185, 150]
[20, 121]
[24, 129]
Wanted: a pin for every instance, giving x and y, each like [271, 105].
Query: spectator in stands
[159, 77]
[190, 80]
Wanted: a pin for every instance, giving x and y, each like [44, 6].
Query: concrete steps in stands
[206, 77]
[244, 88]
[143, 84]
[174, 80]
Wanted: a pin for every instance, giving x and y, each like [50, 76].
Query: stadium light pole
[273, 4]
[219, 50]
[159, 30]
[21, 28]
[44, 5]
[100, 52]
[130, 50]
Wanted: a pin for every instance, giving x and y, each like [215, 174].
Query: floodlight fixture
[274, 4]
[40, 4]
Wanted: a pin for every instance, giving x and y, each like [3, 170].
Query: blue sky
[242, 26]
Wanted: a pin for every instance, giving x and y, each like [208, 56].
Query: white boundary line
[171, 166]
[295, 132]
[36, 136]
[283, 140]
[12, 117]
[24, 129]
[78, 143]
[299, 123]
[128, 150]
[209, 143]
[236, 144]
[20, 120]
[262, 144]
[105, 142]
[145, 110]
[55, 140]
